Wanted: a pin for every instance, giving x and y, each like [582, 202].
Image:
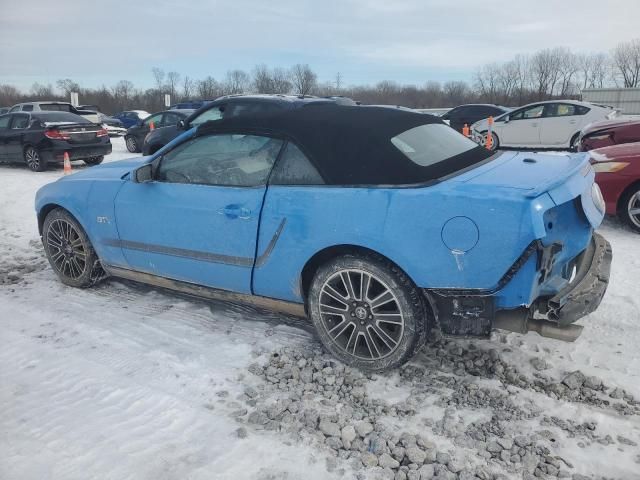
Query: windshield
[429, 144]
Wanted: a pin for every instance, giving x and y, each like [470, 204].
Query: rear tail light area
[102, 132]
[57, 134]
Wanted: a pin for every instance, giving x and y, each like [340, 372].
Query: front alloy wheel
[34, 160]
[631, 208]
[366, 312]
[68, 250]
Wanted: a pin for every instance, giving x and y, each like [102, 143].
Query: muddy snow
[125, 381]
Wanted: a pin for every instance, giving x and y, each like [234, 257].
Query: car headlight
[598, 199]
[609, 167]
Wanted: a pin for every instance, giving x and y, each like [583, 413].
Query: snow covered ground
[123, 381]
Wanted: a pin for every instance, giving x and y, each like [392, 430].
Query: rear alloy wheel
[367, 312]
[132, 144]
[94, 160]
[69, 250]
[34, 160]
[630, 208]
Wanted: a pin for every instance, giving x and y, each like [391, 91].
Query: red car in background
[618, 174]
[609, 132]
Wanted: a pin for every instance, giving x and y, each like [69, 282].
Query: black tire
[628, 204]
[69, 250]
[396, 343]
[94, 160]
[132, 144]
[495, 144]
[34, 160]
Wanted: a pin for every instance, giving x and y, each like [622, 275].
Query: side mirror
[140, 123]
[144, 174]
[180, 125]
[506, 119]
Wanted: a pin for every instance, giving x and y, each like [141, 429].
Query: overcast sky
[408, 41]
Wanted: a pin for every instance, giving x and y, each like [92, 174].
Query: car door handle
[236, 211]
[572, 122]
[534, 124]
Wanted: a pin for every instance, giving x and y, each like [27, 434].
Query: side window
[227, 160]
[171, 118]
[4, 122]
[294, 168]
[560, 110]
[15, 109]
[156, 119]
[19, 122]
[27, 108]
[528, 113]
[214, 113]
[582, 110]
[251, 108]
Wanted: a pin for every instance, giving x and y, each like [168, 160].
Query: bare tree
[568, 67]
[67, 86]
[171, 87]
[303, 78]
[545, 70]
[281, 80]
[456, 92]
[187, 87]
[237, 81]
[486, 81]
[626, 59]
[158, 76]
[9, 95]
[208, 88]
[42, 91]
[263, 80]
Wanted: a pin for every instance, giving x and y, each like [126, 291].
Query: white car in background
[550, 124]
[53, 106]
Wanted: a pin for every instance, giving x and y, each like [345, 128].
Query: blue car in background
[378, 224]
[131, 117]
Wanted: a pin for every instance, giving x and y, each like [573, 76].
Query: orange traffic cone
[67, 164]
[465, 130]
[489, 142]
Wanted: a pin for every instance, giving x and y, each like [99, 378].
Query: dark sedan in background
[233, 106]
[609, 132]
[469, 114]
[38, 138]
[135, 137]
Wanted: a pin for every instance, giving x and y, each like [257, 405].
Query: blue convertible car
[379, 224]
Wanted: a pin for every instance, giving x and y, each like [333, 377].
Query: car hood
[108, 171]
[623, 151]
[527, 172]
[607, 124]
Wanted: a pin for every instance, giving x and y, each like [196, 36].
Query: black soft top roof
[350, 145]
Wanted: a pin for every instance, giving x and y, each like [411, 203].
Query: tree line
[543, 75]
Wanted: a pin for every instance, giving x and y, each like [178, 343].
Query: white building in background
[627, 100]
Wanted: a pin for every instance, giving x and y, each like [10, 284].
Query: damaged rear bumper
[470, 313]
[582, 296]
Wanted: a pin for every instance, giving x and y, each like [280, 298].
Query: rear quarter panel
[405, 225]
